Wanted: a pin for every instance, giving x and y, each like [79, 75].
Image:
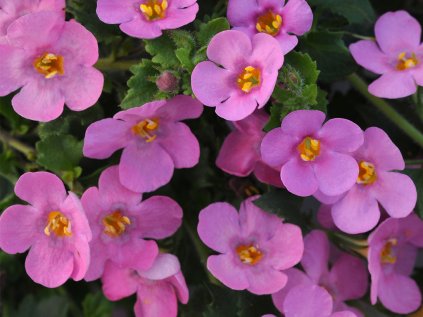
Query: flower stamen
[154, 9]
[58, 224]
[249, 254]
[366, 174]
[49, 65]
[387, 255]
[248, 79]
[269, 23]
[115, 224]
[145, 129]
[309, 149]
[406, 61]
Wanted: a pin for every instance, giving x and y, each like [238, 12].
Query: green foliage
[210, 29]
[162, 50]
[53, 306]
[96, 305]
[296, 88]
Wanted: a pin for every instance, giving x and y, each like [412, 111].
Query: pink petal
[116, 11]
[98, 258]
[165, 266]
[297, 17]
[277, 147]
[357, 212]
[344, 314]
[48, 265]
[335, 173]
[11, 68]
[406, 258]
[82, 88]
[266, 281]
[324, 217]
[299, 178]
[72, 208]
[149, 110]
[182, 292]
[136, 253]
[267, 175]
[302, 123]
[237, 107]
[263, 94]
[104, 137]
[266, 48]
[145, 168]
[159, 217]
[393, 85]
[341, 135]
[39, 100]
[367, 54]
[396, 193]
[181, 107]
[178, 16]
[218, 225]
[82, 258]
[181, 145]
[211, 84]
[118, 283]
[400, 294]
[43, 190]
[397, 32]
[287, 42]
[141, 29]
[224, 268]
[242, 12]
[316, 255]
[156, 300]
[227, 48]
[276, 4]
[18, 228]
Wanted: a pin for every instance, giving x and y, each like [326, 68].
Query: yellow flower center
[58, 224]
[49, 65]
[154, 9]
[387, 255]
[269, 23]
[309, 149]
[406, 61]
[366, 174]
[248, 79]
[249, 254]
[146, 128]
[115, 224]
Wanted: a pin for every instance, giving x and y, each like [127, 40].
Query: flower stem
[387, 110]
[107, 64]
[28, 151]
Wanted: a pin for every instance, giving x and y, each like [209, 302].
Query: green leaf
[332, 56]
[356, 11]
[59, 152]
[210, 29]
[303, 63]
[184, 56]
[142, 85]
[183, 39]
[17, 124]
[162, 49]
[96, 305]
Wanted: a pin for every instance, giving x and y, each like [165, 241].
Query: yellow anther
[154, 9]
[387, 255]
[309, 149]
[366, 174]
[58, 224]
[248, 79]
[249, 254]
[49, 65]
[269, 23]
[145, 129]
[115, 224]
[406, 61]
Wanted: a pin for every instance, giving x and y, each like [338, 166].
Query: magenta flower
[240, 75]
[146, 19]
[392, 254]
[158, 289]
[240, 152]
[358, 211]
[153, 139]
[120, 222]
[313, 157]
[53, 227]
[52, 61]
[12, 10]
[397, 55]
[346, 280]
[272, 17]
[255, 246]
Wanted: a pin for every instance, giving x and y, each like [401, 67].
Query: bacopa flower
[53, 227]
[158, 289]
[52, 61]
[120, 222]
[392, 254]
[346, 280]
[311, 155]
[153, 139]
[272, 17]
[397, 55]
[358, 210]
[147, 18]
[240, 152]
[12, 10]
[240, 75]
[255, 246]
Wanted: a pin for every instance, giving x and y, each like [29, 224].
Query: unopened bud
[167, 82]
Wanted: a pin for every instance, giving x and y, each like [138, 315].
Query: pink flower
[12, 10]
[158, 289]
[146, 19]
[153, 139]
[392, 254]
[255, 246]
[272, 17]
[52, 61]
[346, 280]
[240, 75]
[313, 157]
[357, 211]
[53, 227]
[240, 152]
[397, 55]
[120, 222]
